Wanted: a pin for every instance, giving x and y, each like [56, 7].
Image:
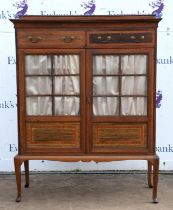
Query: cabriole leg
[150, 174]
[26, 165]
[155, 179]
[17, 164]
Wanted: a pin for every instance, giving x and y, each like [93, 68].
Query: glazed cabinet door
[52, 86]
[121, 100]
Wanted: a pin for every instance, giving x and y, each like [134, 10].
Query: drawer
[109, 39]
[123, 136]
[50, 39]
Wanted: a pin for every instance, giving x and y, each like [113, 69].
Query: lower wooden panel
[53, 135]
[119, 135]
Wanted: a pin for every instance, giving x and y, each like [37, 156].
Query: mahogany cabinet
[86, 90]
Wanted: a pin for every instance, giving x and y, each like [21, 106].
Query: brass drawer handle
[137, 38]
[132, 37]
[34, 39]
[99, 38]
[109, 37]
[142, 37]
[68, 39]
[104, 39]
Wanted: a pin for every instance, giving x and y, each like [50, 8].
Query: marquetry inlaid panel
[119, 135]
[51, 135]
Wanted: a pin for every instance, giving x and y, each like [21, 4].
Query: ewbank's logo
[22, 8]
[167, 148]
[158, 98]
[7, 104]
[158, 7]
[89, 6]
[13, 148]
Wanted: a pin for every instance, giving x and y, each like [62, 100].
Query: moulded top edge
[87, 19]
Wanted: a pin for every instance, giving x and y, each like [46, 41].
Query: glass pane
[134, 106]
[37, 64]
[38, 85]
[38, 105]
[134, 85]
[105, 85]
[67, 105]
[66, 64]
[134, 64]
[105, 106]
[105, 64]
[66, 85]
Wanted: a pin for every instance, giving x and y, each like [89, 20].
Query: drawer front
[102, 39]
[50, 39]
[124, 136]
[53, 135]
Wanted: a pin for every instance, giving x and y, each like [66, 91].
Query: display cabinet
[86, 90]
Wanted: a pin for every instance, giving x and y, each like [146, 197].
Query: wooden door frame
[149, 119]
[23, 118]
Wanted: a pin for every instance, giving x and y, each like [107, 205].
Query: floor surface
[86, 192]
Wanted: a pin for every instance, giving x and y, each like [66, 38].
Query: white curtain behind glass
[67, 105]
[105, 106]
[130, 85]
[70, 85]
[66, 85]
[105, 64]
[42, 85]
[39, 105]
[37, 64]
[133, 106]
[105, 85]
[133, 64]
[134, 85]
[66, 64]
[38, 85]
